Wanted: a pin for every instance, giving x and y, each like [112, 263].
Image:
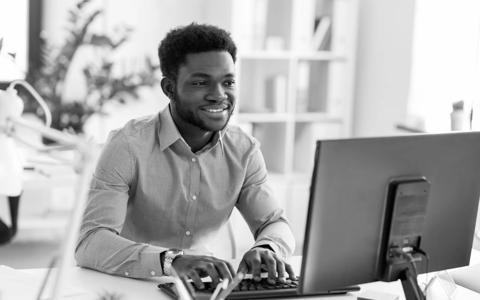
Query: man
[164, 183]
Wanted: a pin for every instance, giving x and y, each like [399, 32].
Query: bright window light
[14, 30]
[446, 57]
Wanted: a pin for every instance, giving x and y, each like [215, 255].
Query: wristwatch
[170, 255]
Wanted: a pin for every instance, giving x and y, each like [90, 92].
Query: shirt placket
[193, 194]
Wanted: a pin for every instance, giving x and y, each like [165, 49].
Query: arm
[99, 245]
[274, 241]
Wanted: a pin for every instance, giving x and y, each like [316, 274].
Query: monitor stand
[411, 289]
[403, 267]
[400, 252]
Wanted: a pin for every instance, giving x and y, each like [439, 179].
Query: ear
[168, 87]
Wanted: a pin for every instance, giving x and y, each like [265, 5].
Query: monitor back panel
[348, 196]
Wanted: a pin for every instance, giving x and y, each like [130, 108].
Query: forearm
[105, 251]
[279, 237]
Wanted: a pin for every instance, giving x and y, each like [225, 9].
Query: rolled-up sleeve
[100, 246]
[263, 214]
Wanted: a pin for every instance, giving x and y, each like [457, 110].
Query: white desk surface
[83, 284]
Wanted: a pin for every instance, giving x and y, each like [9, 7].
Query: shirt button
[194, 197]
[188, 232]
[126, 274]
[152, 273]
[194, 159]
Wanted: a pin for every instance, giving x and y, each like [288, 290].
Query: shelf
[320, 55]
[263, 117]
[285, 117]
[317, 117]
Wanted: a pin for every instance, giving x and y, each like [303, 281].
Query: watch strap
[168, 259]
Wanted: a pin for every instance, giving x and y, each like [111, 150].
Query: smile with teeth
[215, 110]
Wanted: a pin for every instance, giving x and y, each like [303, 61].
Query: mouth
[215, 109]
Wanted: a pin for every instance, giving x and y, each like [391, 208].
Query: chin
[217, 127]
[214, 126]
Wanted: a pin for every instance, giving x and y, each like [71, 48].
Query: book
[276, 93]
[302, 87]
[301, 26]
[322, 33]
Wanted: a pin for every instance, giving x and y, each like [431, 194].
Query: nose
[217, 93]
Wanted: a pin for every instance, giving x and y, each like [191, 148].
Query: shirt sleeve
[263, 214]
[99, 245]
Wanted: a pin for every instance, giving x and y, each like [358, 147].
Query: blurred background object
[104, 79]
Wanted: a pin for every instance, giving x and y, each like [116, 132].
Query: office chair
[6, 232]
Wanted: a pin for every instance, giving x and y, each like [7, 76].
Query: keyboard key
[263, 284]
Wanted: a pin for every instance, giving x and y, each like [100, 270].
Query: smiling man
[165, 183]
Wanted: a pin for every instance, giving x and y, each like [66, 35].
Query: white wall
[384, 57]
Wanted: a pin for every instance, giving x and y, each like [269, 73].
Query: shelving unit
[295, 76]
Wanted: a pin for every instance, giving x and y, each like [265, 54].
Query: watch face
[174, 251]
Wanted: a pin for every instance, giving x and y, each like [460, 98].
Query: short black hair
[192, 38]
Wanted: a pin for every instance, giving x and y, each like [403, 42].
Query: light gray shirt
[150, 192]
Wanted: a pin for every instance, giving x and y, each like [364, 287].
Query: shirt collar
[168, 132]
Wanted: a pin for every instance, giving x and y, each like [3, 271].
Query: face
[204, 94]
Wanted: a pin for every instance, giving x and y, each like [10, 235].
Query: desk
[89, 285]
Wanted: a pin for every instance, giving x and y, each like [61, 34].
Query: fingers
[275, 266]
[218, 270]
[281, 270]
[212, 272]
[196, 267]
[225, 270]
[271, 265]
[197, 281]
[242, 267]
[255, 265]
[291, 273]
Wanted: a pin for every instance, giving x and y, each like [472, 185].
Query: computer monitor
[351, 210]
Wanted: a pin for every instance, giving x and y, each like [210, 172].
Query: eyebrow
[205, 75]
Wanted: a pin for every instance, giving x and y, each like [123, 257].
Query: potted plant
[102, 84]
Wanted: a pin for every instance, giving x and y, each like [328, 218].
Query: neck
[197, 141]
[194, 136]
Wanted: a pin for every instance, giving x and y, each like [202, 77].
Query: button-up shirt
[150, 192]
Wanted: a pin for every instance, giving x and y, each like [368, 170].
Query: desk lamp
[11, 108]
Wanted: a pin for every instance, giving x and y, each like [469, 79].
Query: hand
[257, 258]
[195, 267]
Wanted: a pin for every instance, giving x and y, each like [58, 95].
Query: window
[446, 61]
[14, 31]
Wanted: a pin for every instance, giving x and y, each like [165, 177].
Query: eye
[229, 83]
[199, 83]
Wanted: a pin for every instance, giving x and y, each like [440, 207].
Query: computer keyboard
[250, 289]
[247, 289]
